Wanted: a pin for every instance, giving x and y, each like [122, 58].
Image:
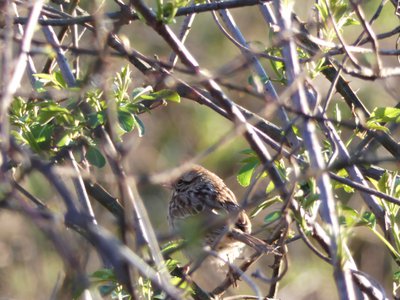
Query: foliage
[48, 126]
[341, 13]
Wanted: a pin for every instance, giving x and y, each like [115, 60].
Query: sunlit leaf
[265, 204]
[64, 140]
[59, 79]
[386, 114]
[246, 172]
[139, 91]
[348, 216]
[169, 11]
[168, 95]
[376, 126]
[351, 21]
[270, 187]
[345, 187]
[126, 120]
[171, 247]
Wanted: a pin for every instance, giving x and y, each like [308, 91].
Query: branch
[183, 11]
[257, 66]
[328, 212]
[12, 83]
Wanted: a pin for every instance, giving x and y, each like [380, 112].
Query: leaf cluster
[48, 126]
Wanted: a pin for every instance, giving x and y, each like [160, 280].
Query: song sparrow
[201, 197]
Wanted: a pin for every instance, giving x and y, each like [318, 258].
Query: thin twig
[367, 27]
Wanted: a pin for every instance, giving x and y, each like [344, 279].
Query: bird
[202, 207]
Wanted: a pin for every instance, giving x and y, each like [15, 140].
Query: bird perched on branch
[202, 207]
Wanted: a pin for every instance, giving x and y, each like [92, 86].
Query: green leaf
[172, 264]
[30, 139]
[169, 11]
[168, 95]
[59, 80]
[139, 125]
[263, 205]
[323, 10]
[270, 187]
[94, 156]
[272, 217]
[171, 247]
[376, 126]
[248, 151]
[96, 119]
[246, 172]
[107, 289]
[348, 216]
[277, 66]
[351, 21]
[107, 281]
[182, 284]
[42, 135]
[49, 111]
[396, 276]
[45, 77]
[19, 137]
[45, 117]
[383, 183]
[54, 79]
[104, 274]
[64, 140]
[126, 120]
[280, 165]
[340, 10]
[386, 114]
[94, 98]
[310, 199]
[139, 91]
[145, 287]
[53, 107]
[122, 82]
[18, 106]
[369, 219]
[159, 14]
[345, 187]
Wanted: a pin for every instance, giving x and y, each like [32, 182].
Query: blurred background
[30, 268]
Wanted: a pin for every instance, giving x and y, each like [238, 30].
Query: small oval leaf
[126, 120]
[94, 156]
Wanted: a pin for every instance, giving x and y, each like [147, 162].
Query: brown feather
[199, 194]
